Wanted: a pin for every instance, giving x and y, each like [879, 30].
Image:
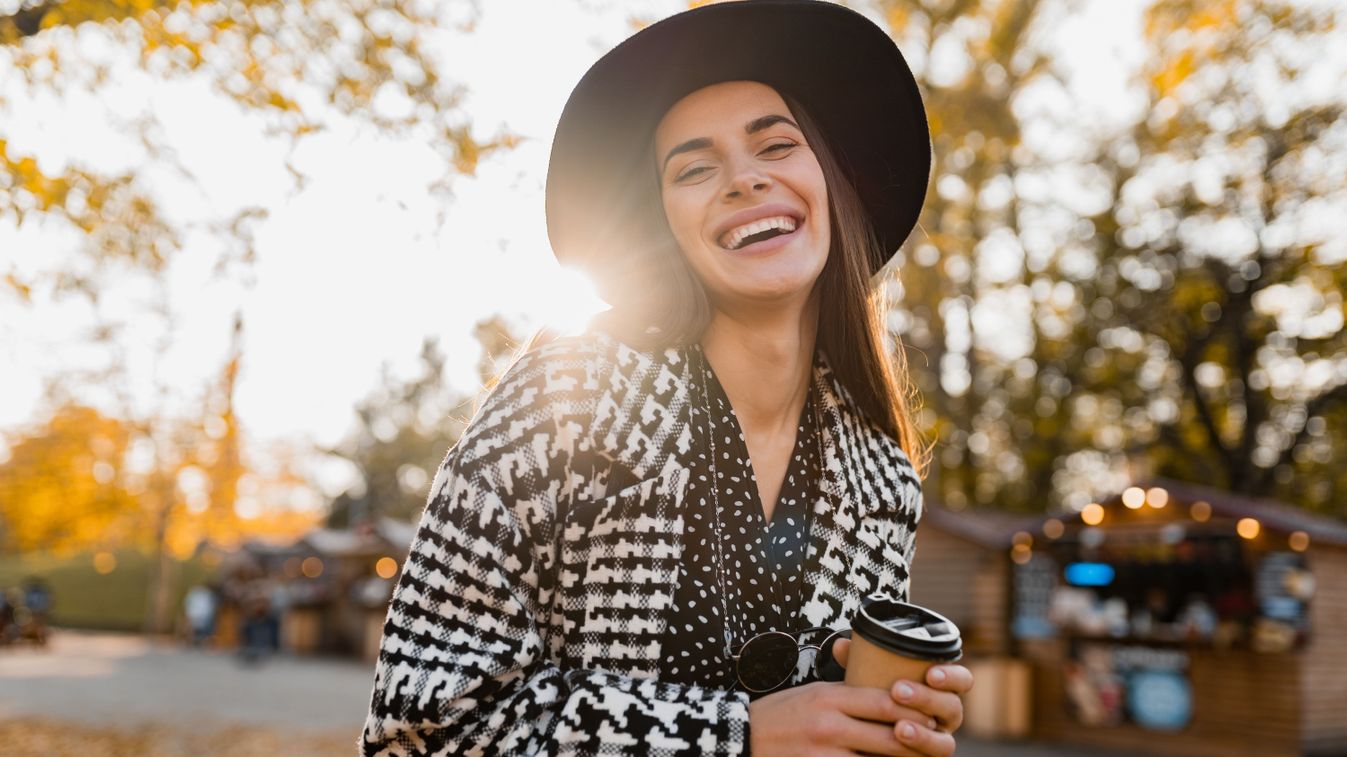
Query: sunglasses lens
[767, 661]
[825, 665]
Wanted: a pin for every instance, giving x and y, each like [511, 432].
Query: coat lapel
[849, 551]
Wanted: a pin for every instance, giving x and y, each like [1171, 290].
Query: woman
[612, 555]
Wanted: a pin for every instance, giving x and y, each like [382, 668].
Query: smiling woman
[655, 535]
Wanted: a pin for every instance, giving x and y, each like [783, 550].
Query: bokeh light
[1134, 497]
[1053, 528]
[1157, 497]
[1299, 541]
[1092, 514]
[387, 567]
[1248, 528]
[105, 563]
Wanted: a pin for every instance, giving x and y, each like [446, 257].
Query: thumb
[841, 648]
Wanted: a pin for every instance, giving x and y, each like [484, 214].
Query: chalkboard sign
[1282, 587]
[1035, 581]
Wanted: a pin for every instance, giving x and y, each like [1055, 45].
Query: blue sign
[1089, 574]
[1160, 700]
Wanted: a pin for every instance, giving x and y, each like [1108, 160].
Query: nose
[746, 179]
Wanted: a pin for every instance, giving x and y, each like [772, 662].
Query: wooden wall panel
[1324, 661]
[966, 583]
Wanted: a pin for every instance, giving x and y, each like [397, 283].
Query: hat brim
[845, 70]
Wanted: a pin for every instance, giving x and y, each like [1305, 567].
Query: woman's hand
[823, 718]
[937, 700]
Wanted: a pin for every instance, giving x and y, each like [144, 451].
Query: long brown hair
[658, 301]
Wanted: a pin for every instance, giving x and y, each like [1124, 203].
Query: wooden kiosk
[1169, 619]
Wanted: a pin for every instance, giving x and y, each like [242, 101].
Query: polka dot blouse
[763, 583]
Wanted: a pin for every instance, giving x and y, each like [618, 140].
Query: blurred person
[37, 600]
[254, 603]
[9, 630]
[727, 453]
[278, 604]
[200, 605]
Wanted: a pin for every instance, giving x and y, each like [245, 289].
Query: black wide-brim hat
[842, 68]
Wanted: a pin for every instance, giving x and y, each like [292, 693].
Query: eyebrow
[752, 127]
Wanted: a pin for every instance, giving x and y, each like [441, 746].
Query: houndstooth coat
[529, 614]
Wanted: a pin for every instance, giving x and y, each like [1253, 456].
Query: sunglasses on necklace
[768, 660]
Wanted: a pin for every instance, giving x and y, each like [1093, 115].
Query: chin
[770, 289]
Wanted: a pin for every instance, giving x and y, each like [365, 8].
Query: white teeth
[734, 237]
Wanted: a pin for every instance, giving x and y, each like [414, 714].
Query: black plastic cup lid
[908, 630]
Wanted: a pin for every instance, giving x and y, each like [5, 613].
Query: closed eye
[692, 172]
[779, 147]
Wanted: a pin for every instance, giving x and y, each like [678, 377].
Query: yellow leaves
[24, 291]
[1187, 34]
[898, 18]
[51, 496]
[1169, 77]
[281, 102]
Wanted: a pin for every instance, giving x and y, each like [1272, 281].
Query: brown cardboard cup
[893, 641]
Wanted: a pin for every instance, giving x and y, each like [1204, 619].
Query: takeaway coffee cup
[892, 641]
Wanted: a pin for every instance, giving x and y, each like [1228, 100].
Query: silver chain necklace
[715, 498]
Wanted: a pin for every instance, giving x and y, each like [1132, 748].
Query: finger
[873, 738]
[955, 678]
[924, 741]
[945, 707]
[867, 703]
[841, 648]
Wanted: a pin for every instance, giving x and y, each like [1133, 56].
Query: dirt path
[116, 694]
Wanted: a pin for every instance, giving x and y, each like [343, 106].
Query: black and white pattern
[533, 606]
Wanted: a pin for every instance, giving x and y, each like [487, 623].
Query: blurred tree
[62, 490]
[404, 429]
[974, 60]
[1220, 259]
[300, 68]
[299, 65]
[1165, 298]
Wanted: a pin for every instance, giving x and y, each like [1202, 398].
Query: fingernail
[904, 692]
[937, 675]
[907, 732]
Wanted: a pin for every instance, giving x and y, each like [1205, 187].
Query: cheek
[682, 221]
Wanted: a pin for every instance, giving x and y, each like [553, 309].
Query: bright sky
[351, 272]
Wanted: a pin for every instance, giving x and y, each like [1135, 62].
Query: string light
[1134, 497]
[1157, 497]
[387, 567]
[1201, 511]
[1248, 528]
[1053, 528]
[1092, 514]
[1300, 541]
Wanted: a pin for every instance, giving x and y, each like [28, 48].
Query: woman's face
[743, 194]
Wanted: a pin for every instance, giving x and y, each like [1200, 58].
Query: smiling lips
[749, 227]
[757, 231]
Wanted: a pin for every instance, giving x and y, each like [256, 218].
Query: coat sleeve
[464, 664]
